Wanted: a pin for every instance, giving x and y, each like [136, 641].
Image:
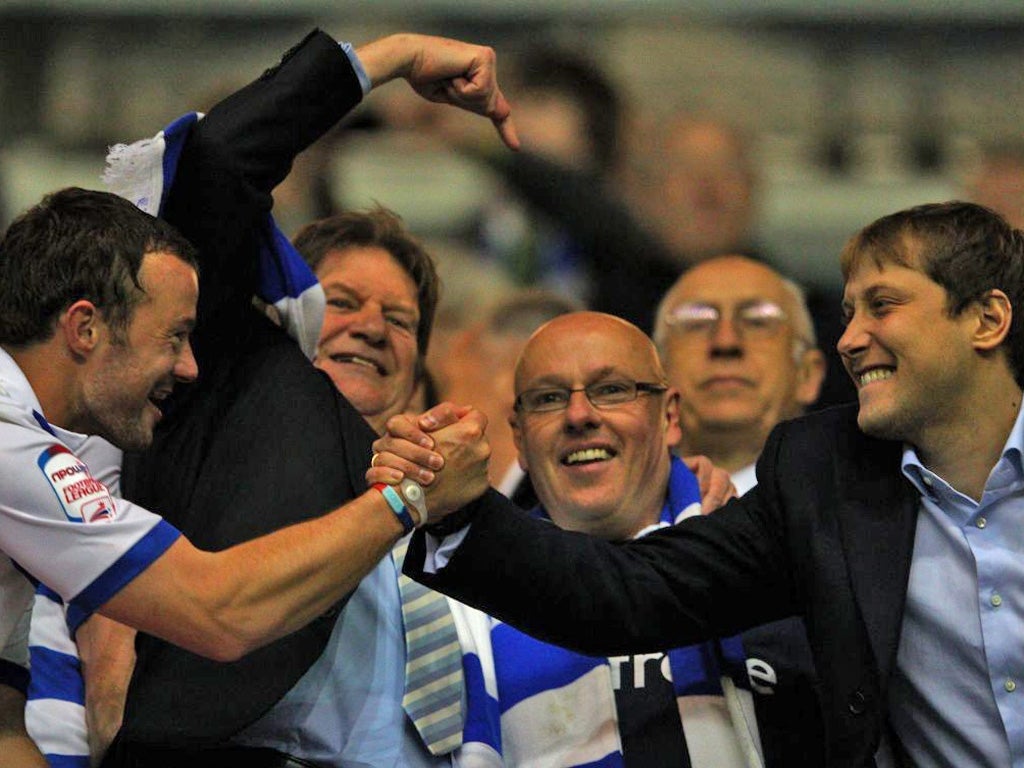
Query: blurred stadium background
[855, 108]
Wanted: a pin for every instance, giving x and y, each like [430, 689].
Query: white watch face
[413, 492]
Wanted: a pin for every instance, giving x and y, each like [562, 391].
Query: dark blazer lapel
[877, 520]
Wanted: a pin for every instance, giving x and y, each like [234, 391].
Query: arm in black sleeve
[241, 150]
[630, 266]
[578, 201]
[705, 577]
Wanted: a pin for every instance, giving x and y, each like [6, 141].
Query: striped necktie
[433, 663]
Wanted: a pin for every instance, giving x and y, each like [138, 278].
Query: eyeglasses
[755, 319]
[601, 394]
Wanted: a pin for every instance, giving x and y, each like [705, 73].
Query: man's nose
[854, 339]
[726, 335]
[580, 412]
[186, 369]
[369, 323]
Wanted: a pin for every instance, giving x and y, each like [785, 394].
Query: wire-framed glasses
[601, 394]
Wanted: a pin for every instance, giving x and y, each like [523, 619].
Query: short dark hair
[964, 247]
[384, 229]
[77, 244]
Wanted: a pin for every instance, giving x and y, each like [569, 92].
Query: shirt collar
[14, 385]
[744, 479]
[16, 389]
[1013, 451]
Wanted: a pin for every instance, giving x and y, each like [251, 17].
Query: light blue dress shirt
[957, 697]
[346, 711]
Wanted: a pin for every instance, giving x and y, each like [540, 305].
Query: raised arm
[244, 147]
[617, 245]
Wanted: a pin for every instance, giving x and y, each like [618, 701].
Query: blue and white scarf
[563, 713]
[143, 173]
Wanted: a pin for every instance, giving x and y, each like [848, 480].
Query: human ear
[994, 313]
[80, 325]
[673, 432]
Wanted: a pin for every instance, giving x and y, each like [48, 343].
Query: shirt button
[926, 480]
[1010, 686]
[981, 522]
[996, 600]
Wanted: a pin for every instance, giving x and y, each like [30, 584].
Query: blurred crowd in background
[651, 140]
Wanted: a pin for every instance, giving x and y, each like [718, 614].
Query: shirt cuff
[357, 65]
[441, 550]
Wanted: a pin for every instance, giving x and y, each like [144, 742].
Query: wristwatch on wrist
[414, 497]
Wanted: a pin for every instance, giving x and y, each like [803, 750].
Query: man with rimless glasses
[737, 341]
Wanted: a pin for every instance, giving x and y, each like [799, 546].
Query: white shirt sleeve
[61, 524]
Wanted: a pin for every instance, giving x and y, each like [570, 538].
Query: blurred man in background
[737, 341]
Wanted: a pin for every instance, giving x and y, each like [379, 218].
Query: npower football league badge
[83, 498]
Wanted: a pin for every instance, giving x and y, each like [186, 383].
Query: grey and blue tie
[433, 663]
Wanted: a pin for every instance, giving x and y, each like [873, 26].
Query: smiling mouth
[588, 456]
[357, 360]
[875, 374]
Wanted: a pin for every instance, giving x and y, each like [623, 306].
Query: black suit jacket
[263, 439]
[827, 534]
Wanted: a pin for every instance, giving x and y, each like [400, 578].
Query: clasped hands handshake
[443, 449]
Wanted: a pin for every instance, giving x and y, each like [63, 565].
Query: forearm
[225, 604]
[445, 71]
[673, 588]
[107, 652]
[232, 159]
[388, 58]
[16, 748]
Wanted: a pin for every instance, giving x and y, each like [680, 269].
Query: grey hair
[805, 337]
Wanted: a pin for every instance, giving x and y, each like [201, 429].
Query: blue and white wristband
[397, 505]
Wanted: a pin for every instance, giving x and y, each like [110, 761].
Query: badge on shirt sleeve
[83, 498]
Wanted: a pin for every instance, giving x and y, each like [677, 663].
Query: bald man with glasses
[594, 422]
